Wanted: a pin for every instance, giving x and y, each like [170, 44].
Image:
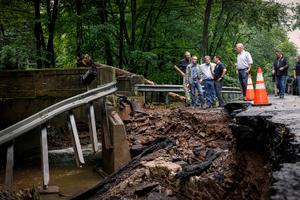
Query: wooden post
[45, 161]
[75, 139]
[92, 127]
[9, 166]
[106, 137]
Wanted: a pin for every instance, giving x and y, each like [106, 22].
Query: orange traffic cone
[261, 96]
[250, 89]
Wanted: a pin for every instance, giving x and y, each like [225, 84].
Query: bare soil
[202, 163]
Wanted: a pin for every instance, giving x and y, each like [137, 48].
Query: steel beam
[92, 127]
[45, 161]
[9, 166]
[54, 110]
[75, 139]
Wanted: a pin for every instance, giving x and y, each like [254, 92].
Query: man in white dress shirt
[244, 63]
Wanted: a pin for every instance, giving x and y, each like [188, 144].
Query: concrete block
[119, 155]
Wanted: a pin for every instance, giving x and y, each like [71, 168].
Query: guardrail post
[92, 127]
[9, 166]
[75, 139]
[45, 161]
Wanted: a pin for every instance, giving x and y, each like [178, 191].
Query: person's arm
[273, 68]
[250, 62]
[286, 62]
[223, 73]
[295, 75]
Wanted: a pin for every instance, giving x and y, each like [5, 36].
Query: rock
[145, 188]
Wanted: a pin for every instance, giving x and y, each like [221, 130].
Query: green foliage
[156, 34]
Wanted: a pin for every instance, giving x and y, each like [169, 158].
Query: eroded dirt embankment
[197, 160]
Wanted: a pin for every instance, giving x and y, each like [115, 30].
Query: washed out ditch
[183, 153]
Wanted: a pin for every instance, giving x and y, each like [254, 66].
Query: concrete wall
[23, 93]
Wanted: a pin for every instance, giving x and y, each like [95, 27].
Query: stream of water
[69, 179]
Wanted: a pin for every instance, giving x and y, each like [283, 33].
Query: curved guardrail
[40, 119]
[54, 110]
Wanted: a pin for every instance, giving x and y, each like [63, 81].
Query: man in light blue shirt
[244, 63]
[207, 69]
[193, 76]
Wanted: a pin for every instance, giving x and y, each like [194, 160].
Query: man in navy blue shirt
[182, 64]
[219, 74]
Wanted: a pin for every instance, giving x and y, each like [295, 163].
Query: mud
[200, 162]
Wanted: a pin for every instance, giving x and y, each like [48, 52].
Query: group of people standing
[210, 75]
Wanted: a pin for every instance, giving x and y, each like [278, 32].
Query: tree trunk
[205, 37]
[51, 28]
[79, 37]
[104, 19]
[133, 23]
[121, 6]
[37, 33]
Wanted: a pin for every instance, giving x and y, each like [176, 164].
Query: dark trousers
[218, 87]
[209, 87]
[298, 84]
[243, 77]
[281, 82]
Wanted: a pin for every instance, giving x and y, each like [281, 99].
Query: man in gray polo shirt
[244, 63]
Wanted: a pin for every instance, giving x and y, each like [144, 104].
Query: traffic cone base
[261, 96]
[250, 89]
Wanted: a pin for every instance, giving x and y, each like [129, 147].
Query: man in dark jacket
[280, 70]
[182, 64]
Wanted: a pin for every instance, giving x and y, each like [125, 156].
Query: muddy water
[69, 179]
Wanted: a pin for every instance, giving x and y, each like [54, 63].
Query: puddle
[69, 179]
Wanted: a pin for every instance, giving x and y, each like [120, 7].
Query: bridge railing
[40, 119]
[229, 93]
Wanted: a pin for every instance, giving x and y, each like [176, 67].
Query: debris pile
[185, 154]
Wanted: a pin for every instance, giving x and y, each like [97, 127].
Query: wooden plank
[9, 166]
[106, 137]
[92, 127]
[75, 139]
[45, 161]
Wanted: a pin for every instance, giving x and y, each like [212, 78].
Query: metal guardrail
[229, 92]
[54, 110]
[158, 88]
[177, 88]
[40, 119]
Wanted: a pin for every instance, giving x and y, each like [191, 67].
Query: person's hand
[220, 79]
[281, 68]
[247, 71]
[273, 72]
[295, 77]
